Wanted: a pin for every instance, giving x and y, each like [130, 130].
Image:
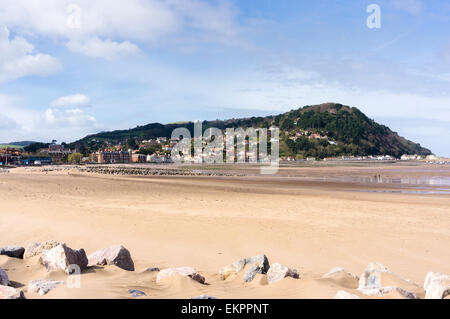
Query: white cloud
[52, 123]
[98, 48]
[411, 6]
[17, 59]
[110, 28]
[73, 118]
[76, 100]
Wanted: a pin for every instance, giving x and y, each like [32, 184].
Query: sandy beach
[307, 218]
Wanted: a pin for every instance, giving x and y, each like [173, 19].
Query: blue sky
[129, 63]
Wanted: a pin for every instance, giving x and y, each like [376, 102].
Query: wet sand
[308, 218]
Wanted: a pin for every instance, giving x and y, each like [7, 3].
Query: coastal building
[113, 157]
[138, 158]
[158, 158]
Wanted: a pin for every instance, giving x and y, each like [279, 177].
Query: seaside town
[153, 151]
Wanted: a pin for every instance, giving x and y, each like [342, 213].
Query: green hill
[320, 131]
[10, 146]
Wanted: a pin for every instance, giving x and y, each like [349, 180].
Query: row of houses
[114, 157]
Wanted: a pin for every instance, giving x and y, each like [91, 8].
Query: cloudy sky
[71, 68]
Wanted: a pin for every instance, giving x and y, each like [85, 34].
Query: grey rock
[136, 293]
[3, 278]
[13, 251]
[252, 272]
[261, 261]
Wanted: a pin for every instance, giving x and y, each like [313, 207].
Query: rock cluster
[259, 265]
[142, 171]
[375, 281]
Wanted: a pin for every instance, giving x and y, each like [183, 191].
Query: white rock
[436, 285]
[370, 278]
[10, 293]
[342, 294]
[278, 272]
[42, 287]
[183, 271]
[64, 258]
[36, 249]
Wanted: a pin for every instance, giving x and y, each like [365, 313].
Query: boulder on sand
[36, 249]
[42, 287]
[183, 271]
[114, 255]
[11, 293]
[278, 272]
[436, 285]
[13, 251]
[64, 258]
[377, 280]
[260, 263]
[4, 281]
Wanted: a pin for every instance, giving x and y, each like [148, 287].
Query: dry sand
[209, 222]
